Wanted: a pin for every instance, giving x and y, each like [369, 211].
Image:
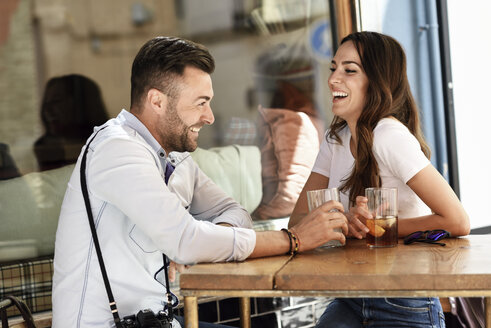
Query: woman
[375, 140]
[72, 106]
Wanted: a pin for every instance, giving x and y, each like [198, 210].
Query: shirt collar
[133, 122]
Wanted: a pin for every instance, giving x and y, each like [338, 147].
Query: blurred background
[65, 67]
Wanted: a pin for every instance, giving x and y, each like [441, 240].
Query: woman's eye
[332, 69]
[350, 71]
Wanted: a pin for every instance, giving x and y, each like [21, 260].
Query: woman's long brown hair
[388, 95]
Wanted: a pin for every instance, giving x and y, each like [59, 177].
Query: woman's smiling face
[348, 83]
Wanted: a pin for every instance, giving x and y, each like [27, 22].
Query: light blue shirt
[138, 217]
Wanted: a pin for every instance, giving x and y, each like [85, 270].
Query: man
[138, 215]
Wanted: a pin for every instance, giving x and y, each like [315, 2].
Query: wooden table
[462, 268]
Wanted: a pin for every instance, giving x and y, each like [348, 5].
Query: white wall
[470, 48]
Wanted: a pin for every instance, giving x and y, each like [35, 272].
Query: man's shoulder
[113, 130]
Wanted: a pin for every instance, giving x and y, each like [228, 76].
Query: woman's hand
[357, 217]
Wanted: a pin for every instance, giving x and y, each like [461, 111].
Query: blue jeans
[383, 312]
[201, 324]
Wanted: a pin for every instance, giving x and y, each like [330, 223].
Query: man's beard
[174, 132]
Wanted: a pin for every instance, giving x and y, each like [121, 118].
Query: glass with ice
[316, 198]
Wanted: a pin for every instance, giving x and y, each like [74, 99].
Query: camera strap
[85, 193]
[170, 299]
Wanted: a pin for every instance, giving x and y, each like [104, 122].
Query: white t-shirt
[398, 156]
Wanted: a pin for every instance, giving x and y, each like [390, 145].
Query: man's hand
[173, 267]
[317, 227]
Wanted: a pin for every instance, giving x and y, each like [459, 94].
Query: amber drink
[383, 232]
[382, 203]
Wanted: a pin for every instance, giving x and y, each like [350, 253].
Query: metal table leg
[245, 312]
[487, 311]
[191, 312]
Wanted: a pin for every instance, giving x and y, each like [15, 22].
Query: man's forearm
[269, 243]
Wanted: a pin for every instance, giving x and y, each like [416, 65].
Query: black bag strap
[112, 303]
[83, 182]
[169, 294]
[21, 306]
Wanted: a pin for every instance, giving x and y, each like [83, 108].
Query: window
[65, 67]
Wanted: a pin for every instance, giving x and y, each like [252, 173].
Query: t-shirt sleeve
[398, 149]
[322, 164]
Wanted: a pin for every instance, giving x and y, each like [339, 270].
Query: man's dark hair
[161, 61]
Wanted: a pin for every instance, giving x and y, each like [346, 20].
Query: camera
[147, 319]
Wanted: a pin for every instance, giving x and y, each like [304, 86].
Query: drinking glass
[316, 198]
[382, 204]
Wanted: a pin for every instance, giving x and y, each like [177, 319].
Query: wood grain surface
[255, 274]
[464, 263]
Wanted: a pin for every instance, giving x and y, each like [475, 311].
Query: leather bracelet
[289, 234]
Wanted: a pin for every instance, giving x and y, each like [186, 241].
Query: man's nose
[208, 116]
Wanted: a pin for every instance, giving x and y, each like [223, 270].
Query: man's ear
[157, 100]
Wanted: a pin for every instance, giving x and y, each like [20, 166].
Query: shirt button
[162, 155]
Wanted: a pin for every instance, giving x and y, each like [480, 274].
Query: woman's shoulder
[389, 122]
[391, 133]
[387, 127]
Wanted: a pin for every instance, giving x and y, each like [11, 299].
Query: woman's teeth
[339, 94]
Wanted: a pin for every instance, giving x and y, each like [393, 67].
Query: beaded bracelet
[289, 234]
[293, 240]
[297, 243]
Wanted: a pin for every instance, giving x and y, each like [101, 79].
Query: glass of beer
[382, 203]
[316, 198]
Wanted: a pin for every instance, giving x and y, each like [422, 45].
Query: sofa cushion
[29, 207]
[288, 150]
[236, 169]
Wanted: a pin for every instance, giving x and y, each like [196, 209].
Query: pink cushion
[288, 150]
